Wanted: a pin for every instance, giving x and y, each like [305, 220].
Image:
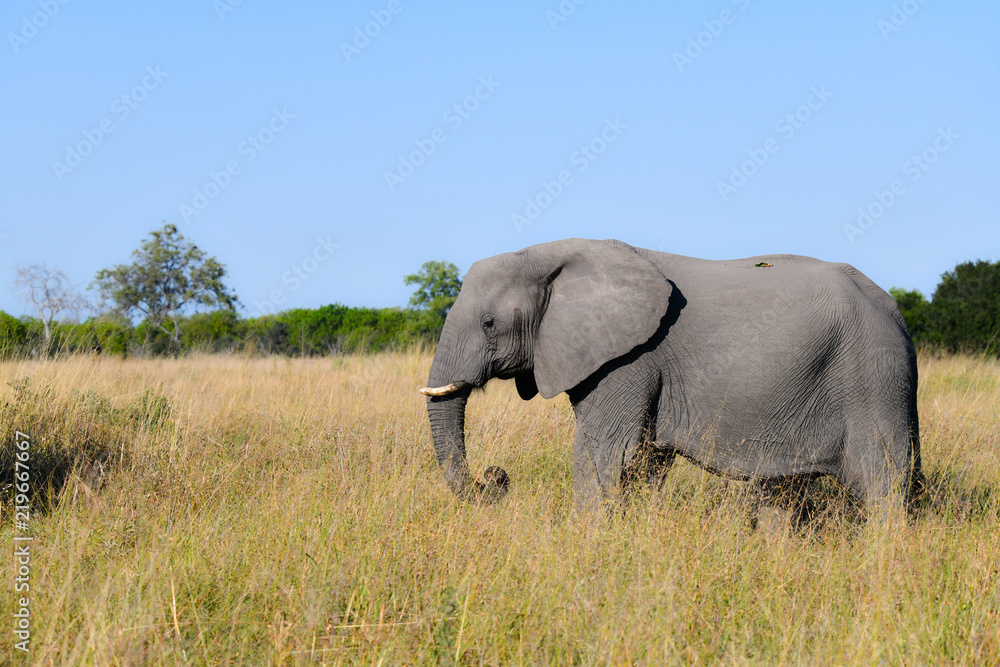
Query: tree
[439, 286]
[49, 292]
[916, 311]
[965, 308]
[13, 334]
[168, 275]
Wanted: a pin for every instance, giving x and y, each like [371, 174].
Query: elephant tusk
[445, 390]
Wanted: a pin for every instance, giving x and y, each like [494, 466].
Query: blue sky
[321, 163]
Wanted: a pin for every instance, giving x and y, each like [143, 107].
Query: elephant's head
[548, 316]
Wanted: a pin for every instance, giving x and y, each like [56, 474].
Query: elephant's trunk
[447, 417]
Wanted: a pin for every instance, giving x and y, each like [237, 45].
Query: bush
[916, 311]
[101, 335]
[267, 334]
[112, 337]
[13, 335]
[337, 328]
[213, 331]
[964, 313]
[965, 309]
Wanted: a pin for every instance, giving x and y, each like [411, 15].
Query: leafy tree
[13, 334]
[101, 335]
[439, 285]
[338, 328]
[916, 312]
[215, 330]
[168, 275]
[49, 292]
[965, 309]
[271, 334]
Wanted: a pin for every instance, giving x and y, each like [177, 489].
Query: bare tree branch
[49, 292]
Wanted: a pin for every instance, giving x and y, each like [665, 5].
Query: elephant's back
[777, 346]
[763, 284]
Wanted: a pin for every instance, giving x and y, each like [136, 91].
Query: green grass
[291, 512]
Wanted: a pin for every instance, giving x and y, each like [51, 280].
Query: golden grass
[291, 511]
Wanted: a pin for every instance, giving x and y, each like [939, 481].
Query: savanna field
[290, 511]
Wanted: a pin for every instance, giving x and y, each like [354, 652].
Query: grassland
[266, 510]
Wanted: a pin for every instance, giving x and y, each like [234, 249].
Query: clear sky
[282, 138]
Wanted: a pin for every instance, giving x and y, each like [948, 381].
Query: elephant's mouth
[445, 390]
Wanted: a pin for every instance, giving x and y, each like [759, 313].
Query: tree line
[173, 298]
[331, 329]
[963, 314]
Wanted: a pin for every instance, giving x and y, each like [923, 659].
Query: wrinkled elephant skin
[777, 368]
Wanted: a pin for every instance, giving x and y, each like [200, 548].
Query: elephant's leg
[877, 468]
[600, 469]
[587, 464]
[784, 504]
[612, 434]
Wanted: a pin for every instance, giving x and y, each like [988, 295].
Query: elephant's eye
[487, 323]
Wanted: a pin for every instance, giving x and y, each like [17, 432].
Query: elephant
[776, 368]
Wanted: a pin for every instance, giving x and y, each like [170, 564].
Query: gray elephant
[777, 368]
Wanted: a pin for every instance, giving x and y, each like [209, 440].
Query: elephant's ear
[601, 300]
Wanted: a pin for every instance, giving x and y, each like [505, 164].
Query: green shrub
[13, 335]
[100, 335]
[915, 308]
[331, 329]
[965, 309]
[213, 331]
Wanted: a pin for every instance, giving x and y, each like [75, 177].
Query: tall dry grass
[291, 511]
